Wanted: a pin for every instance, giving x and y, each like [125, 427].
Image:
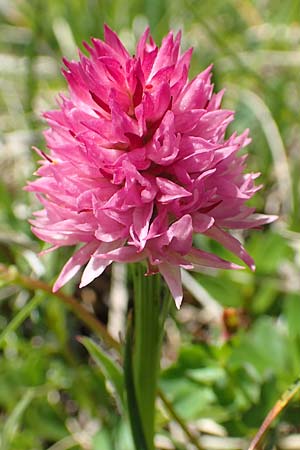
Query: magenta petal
[170, 191]
[202, 222]
[140, 226]
[96, 266]
[140, 48]
[232, 244]
[93, 270]
[111, 38]
[164, 148]
[164, 55]
[124, 254]
[109, 229]
[74, 263]
[200, 258]
[180, 235]
[172, 277]
[196, 93]
[254, 221]
[187, 120]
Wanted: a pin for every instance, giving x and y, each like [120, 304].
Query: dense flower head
[139, 163]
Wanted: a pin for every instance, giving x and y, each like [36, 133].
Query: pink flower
[139, 162]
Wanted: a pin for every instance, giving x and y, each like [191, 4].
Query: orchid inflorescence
[139, 163]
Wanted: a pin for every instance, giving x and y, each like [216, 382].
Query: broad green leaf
[268, 251]
[226, 291]
[264, 347]
[206, 375]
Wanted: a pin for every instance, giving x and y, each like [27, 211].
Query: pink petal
[163, 150]
[164, 54]
[124, 254]
[202, 222]
[187, 120]
[172, 277]
[74, 264]
[254, 221]
[140, 224]
[170, 191]
[109, 229]
[196, 93]
[93, 270]
[96, 266]
[180, 235]
[140, 48]
[200, 258]
[232, 244]
[112, 39]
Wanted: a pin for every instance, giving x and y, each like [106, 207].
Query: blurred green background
[223, 367]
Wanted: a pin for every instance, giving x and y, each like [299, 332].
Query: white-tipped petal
[74, 263]
[172, 277]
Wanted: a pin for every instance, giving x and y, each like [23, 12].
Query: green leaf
[226, 291]
[206, 375]
[264, 347]
[268, 251]
[265, 296]
[110, 369]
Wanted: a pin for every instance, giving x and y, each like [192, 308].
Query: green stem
[148, 326]
[134, 411]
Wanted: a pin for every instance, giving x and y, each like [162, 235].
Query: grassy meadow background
[234, 347]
